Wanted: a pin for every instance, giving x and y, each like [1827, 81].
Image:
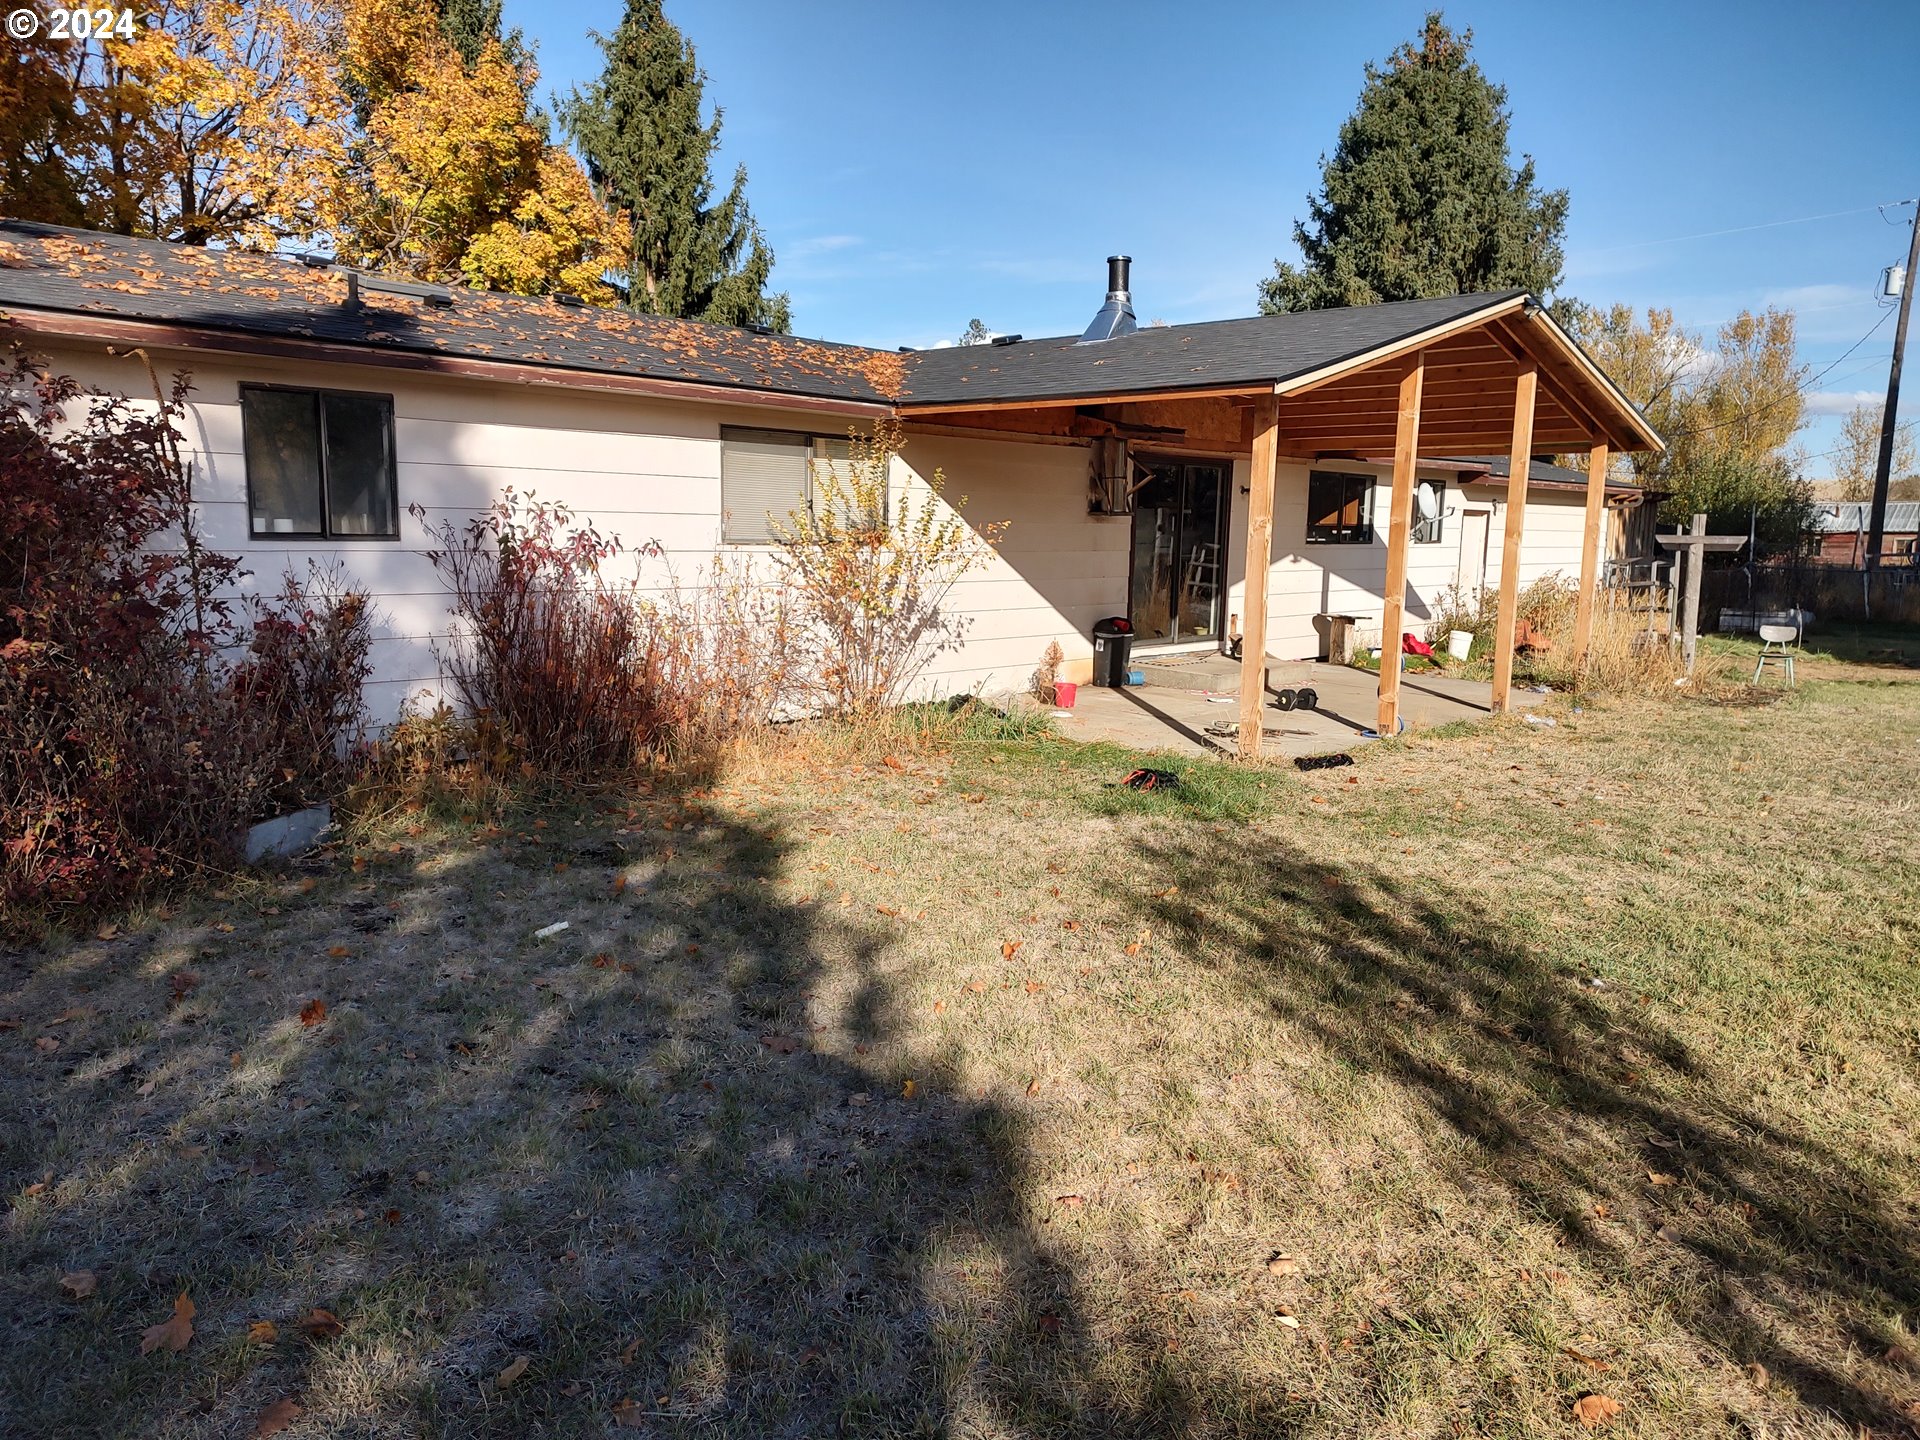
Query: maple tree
[220, 120]
[451, 176]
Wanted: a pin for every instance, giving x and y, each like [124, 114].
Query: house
[1841, 529]
[1137, 468]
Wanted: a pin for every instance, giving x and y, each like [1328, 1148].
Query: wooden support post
[1590, 555]
[1258, 561]
[1690, 593]
[1519, 462]
[1406, 453]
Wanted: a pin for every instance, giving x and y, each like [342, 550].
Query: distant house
[1136, 467]
[1842, 528]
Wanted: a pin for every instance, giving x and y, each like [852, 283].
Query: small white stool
[1777, 646]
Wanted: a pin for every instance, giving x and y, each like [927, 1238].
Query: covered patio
[1202, 722]
[1402, 384]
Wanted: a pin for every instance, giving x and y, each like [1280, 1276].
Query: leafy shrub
[133, 744]
[546, 647]
[724, 650]
[302, 684]
[869, 572]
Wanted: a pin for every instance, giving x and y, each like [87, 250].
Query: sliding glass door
[1179, 555]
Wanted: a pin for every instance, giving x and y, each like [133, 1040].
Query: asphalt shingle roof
[1216, 353]
[1539, 472]
[85, 272]
[88, 273]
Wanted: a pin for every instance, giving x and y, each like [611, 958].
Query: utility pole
[1882, 476]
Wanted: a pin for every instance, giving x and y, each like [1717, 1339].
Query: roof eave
[117, 330]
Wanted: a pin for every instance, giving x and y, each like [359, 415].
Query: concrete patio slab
[1168, 718]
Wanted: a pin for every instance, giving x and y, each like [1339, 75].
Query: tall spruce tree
[648, 151]
[469, 24]
[1420, 198]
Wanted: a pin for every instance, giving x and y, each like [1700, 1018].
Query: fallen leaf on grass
[939, 1006]
[1659, 1181]
[79, 1284]
[631, 1349]
[46, 1044]
[179, 984]
[277, 1417]
[172, 1333]
[908, 1090]
[262, 1332]
[629, 1414]
[1900, 1356]
[1586, 1360]
[313, 1012]
[893, 762]
[1602, 1210]
[513, 1372]
[1070, 1202]
[1049, 1324]
[1595, 1410]
[1166, 894]
[780, 1044]
[318, 1324]
[1134, 948]
[1283, 1265]
[1757, 1373]
[1010, 948]
[1287, 1320]
[338, 952]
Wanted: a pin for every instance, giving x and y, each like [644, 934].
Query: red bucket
[1064, 692]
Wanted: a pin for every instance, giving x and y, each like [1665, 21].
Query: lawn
[958, 1092]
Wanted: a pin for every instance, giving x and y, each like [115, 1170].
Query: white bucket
[1459, 642]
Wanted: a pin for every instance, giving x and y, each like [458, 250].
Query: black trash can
[1112, 648]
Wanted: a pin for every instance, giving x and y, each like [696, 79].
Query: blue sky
[917, 165]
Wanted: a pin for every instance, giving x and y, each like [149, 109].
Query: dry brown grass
[955, 1096]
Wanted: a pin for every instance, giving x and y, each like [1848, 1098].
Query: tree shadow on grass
[1569, 1097]
[672, 1156]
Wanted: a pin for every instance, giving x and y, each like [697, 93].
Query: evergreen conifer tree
[1420, 198]
[648, 149]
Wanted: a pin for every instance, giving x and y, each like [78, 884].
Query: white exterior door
[1474, 525]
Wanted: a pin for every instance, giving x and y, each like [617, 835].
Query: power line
[1744, 229]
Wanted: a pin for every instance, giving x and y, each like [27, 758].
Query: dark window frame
[1361, 534]
[326, 531]
[1439, 521]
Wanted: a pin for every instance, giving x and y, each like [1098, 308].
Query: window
[1429, 511]
[766, 475]
[319, 463]
[1339, 509]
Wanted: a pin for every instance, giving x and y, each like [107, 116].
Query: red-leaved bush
[549, 654]
[143, 721]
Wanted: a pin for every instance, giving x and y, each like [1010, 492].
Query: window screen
[763, 480]
[319, 462]
[1339, 509]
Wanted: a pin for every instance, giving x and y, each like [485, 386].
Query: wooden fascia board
[1555, 386]
[909, 410]
[1569, 350]
[1395, 350]
[62, 325]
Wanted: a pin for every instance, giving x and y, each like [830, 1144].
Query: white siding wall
[645, 471]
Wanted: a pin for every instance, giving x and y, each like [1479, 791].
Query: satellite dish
[1427, 500]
